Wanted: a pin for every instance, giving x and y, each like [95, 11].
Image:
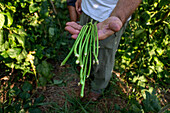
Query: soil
[58, 93]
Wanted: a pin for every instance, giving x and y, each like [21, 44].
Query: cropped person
[72, 10]
[112, 17]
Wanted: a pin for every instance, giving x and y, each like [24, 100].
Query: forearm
[125, 8]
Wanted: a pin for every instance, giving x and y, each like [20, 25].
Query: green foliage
[44, 70]
[19, 99]
[31, 32]
[151, 103]
[30, 26]
[143, 54]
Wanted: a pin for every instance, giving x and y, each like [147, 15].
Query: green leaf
[24, 53]
[10, 65]
[151, 103]
[135, 78]
[10, 19]
[4, 54]
[2, 47]
[51, 31]
[44, 69]
[14, 52]
[33, 7]
[39, 51]
[57, 82]
[1, 36]
[27, 87]
[138, 32]
[11, 93]
[12, 40]
[24, 95]
[43, 81]
[158, 62]
[44, 9]
[39, 100]
[117, 107]
[166, 30]
[2, 6]
[27, 104]
[20, 57]
[23, 5]
[159, 51]
[11, 7]
[135, 108]
[21, 32]
[141, 84]
[142, 78]
[126, 58]
[17, 90]
[21, 40]
[2, 20]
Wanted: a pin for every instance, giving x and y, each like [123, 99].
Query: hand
[78, 6]
[108, 27]
[105, 29]
[73, 28]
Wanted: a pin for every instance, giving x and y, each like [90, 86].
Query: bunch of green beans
[85, 48]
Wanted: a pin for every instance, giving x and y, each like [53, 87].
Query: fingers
[74, 36]
[72, 30]
[74, 25]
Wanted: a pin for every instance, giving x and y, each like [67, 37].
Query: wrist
[121, 18]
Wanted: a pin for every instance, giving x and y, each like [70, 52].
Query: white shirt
[98, 9]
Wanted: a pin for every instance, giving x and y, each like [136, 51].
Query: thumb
[115, 24]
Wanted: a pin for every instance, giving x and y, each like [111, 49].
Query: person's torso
[98, 9]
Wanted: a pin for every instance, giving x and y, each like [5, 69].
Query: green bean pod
[97, 40]
[94, 47]
[71, 51]
[86, 58]
[81, 34]
[82, 47]
[90, 56]
[87, 41]
[85, 48]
